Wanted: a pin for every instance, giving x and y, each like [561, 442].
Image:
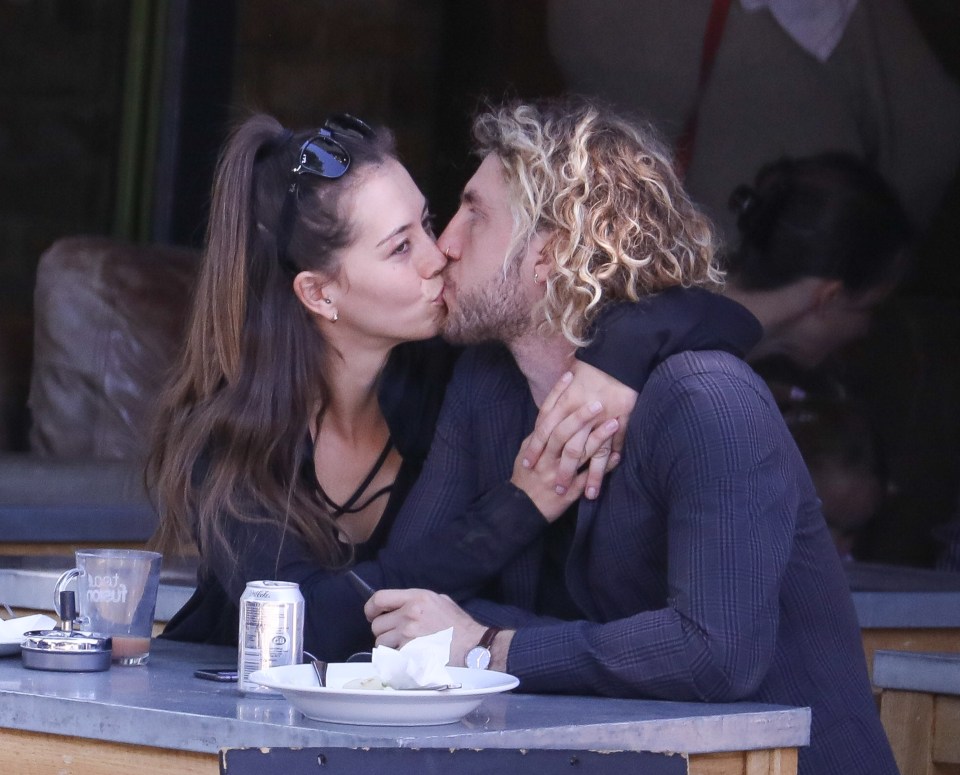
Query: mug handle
[59, 586]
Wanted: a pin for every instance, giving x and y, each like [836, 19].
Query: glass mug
[116, 596]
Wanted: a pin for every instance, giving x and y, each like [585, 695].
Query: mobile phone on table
[222, 674]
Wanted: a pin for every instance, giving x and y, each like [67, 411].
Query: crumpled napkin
[12, 630]
[420, 662]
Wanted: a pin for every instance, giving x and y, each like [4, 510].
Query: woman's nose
[433, 263]
[448, 243]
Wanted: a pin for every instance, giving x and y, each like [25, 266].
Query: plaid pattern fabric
[705, 568]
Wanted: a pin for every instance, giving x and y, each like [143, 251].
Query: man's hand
[573, 418]
[397, 616]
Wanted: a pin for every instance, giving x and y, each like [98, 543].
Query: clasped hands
[577, 439]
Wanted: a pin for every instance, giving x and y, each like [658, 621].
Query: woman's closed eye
[401, 248]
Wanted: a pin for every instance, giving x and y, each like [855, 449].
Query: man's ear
[542, 248]
[317, 293]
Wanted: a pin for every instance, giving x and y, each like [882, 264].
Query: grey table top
[163, 705]
[917, 671]
[901, 597]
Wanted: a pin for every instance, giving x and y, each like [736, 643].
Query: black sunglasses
[322, 155]
[325, 157]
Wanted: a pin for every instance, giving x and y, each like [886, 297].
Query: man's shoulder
[706, 379]
[709, 408]
[705, 363]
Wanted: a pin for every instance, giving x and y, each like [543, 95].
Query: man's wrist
[479, 656]
[500, 650]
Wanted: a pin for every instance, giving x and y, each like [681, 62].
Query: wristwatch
[479, 656]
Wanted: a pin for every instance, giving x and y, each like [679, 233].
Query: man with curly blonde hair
[703, 569]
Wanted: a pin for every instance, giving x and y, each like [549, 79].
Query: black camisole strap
[348, 507]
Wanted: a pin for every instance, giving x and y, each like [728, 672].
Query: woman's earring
[536, 277]
[335, 317]
[327, 301]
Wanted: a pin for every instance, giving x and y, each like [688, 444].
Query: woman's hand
[397, 616]
[580, 404]
[573, 440]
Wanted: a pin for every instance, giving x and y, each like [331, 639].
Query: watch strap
[487, 640]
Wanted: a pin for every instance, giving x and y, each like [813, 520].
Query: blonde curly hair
[620, 226]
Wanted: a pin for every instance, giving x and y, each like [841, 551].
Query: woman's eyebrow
[400, 229]
[394, 233]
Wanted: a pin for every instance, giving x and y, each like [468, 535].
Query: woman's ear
[825, 293]
[317, 294]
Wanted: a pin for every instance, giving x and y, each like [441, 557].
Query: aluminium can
[271, 630]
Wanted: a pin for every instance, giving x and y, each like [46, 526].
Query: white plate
[11, 631]
[387, 707]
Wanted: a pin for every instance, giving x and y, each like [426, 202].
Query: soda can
[271, 630]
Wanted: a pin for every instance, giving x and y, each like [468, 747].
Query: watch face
[478, 658]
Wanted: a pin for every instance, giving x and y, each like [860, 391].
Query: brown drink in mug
[116, 596]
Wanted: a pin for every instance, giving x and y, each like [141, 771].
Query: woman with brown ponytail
[315, 267]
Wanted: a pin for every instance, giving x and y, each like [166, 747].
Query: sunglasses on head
[322, 156]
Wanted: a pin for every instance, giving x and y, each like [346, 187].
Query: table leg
[36, 753]
[776, 761]
[911, 723]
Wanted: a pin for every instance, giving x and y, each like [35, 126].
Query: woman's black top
[411, 394]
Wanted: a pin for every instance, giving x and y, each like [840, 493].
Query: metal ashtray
[73, 651]
[64, 648]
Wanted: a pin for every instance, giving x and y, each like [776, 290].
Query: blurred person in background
[844, 456]
[823, 240]
[736, 83]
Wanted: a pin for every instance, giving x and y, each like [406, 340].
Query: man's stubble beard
[496, 312]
